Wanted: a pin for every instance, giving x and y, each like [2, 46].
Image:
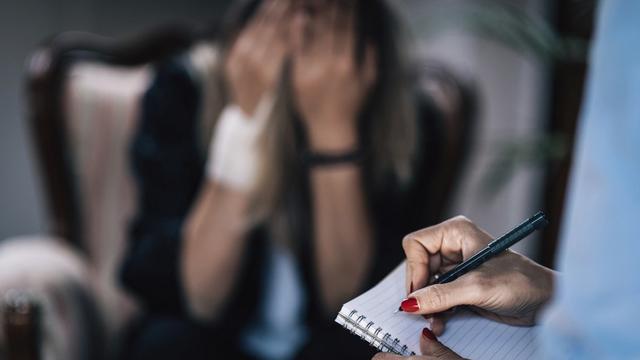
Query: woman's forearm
[214, 240]
[343, 243]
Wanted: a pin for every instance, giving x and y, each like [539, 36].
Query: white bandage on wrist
[233, 151]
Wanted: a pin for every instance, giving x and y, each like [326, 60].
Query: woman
[311, 177]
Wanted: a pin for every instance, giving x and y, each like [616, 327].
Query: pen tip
[399, 310]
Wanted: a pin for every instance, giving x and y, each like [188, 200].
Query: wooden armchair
[83, 96]
[53, 73]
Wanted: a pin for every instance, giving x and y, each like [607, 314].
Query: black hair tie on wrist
[315, 159]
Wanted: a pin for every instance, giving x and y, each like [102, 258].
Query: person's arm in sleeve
[187, 240]
[216, 235]
[595, 314]
[168, 169]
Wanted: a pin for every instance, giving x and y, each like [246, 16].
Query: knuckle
[465, 224]
[456, 230]
[407, 240]
[442, 353]
[434, 298]
[461, 217]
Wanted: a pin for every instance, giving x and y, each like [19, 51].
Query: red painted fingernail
[409, 305]
[428, 334]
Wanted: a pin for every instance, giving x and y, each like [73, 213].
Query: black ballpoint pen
[537, 221]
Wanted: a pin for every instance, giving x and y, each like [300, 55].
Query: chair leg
[21, 325]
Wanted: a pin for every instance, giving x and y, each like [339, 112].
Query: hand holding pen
[509, 288]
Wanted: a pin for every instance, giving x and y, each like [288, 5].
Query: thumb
[441, 297]
[433, 349]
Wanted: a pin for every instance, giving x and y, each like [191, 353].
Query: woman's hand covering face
[329, 86]
[254, 63]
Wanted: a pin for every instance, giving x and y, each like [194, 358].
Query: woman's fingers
[270, 36]
[431, 348]
[418, 261]
[266, 14]
[345, 31]
[387, 356]
[259, 22]
[430, 250]
[299, 31]
[418, 248]
[329, 30]
[437, 322]
[266, 31]
[417, 273]
[254, 63]
[323, 31]
[438, 298]
[332, 39]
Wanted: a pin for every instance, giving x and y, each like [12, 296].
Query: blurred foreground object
[21, 325]
[595, 312]
[46, 300]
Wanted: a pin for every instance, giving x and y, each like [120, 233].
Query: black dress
[168, 163]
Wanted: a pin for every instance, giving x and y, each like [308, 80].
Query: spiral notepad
[373, 317]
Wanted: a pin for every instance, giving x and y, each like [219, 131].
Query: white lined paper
[469, 335]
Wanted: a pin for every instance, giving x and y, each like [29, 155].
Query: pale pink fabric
[54, 275]
[102, 106]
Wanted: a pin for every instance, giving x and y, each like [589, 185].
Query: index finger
[273, 19]
[345, 29]
[450, 242]
[419, 248]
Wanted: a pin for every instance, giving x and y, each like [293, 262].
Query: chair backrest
[456, 98]
[84, 96]
[60, 68]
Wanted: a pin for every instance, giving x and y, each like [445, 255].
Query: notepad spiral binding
[357, 325]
